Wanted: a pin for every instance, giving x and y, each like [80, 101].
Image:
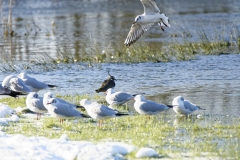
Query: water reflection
[100, 23]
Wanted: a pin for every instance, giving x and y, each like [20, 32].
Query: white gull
[35, 103]
[143, 22]
[184, 107]
[33, 83]
[99, 111]
[117, 97]
[148, 107]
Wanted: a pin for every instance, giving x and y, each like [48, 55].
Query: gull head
[6, 81]
[85, 102]
[33, 94]
[110, 91]
[23, 75]
[48, 95]
[52, 100]
[139, 98]
[165, 20]
[178, 101]
[138, 18]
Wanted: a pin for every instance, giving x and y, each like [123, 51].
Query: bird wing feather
[136, 31]
[150, 7]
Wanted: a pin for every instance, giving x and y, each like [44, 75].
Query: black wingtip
[77, 106]
[16, 94]
[201, 108]
[85, 116]
[170, 106]
[51, 86]
[121, 114]
[97, 90]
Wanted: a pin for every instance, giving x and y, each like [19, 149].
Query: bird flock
[23, 84]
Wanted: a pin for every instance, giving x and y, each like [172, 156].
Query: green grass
[172, 137]
[219, 42]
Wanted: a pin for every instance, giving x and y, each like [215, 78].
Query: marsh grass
[219, 42]
[170, 136]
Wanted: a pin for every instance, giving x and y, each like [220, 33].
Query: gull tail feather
[170, 106]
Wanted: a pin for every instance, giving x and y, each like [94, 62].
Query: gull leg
[162, 28]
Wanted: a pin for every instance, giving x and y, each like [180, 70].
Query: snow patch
[146, 152]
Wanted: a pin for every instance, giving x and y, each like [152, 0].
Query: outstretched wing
[136, 32]
[150, 7]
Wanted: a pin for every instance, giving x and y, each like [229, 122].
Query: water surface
[45, 27]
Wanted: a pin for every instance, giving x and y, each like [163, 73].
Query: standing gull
[33, 83]
[143, 22]
[184, 107]
[108, 83]
[35, 104]
[117, 97]
[50, 95]
[61, 110]
[99, 111]
[148, 107]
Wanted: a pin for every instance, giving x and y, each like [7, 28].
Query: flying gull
[143, 22]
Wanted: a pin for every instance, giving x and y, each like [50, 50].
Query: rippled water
[100, 23]
[209, 81]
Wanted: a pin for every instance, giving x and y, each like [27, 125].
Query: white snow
[146, 152]
[5, 113]
[22, 147]
[5, 110]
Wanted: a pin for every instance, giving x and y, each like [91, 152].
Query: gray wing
[150, 7]
[38, 103]
[65, 110]
[188, 105]
[66, 103]
[150, 106]
[35, 83]
[121, 96]
[136, 32]
[104, 111]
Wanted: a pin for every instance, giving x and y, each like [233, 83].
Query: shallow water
[209, 81]
[82, 25]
